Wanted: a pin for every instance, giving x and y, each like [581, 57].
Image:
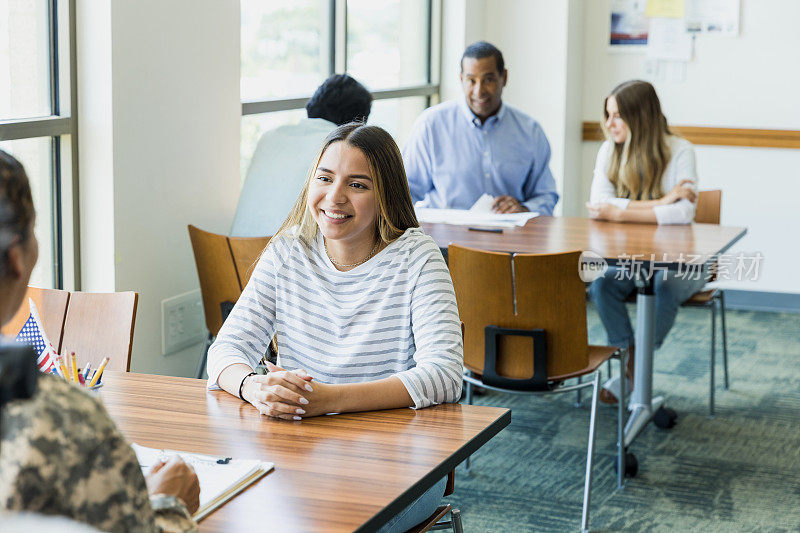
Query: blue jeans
[609, 295]
[419, 510]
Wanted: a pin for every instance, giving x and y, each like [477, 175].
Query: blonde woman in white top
[643, 174]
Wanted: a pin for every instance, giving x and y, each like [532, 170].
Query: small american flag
[32, 333]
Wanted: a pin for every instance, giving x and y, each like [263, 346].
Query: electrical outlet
[183, 322]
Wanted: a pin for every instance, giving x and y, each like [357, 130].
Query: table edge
[440, 471]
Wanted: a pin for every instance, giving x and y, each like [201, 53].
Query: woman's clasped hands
[685, 190]
[286, 394]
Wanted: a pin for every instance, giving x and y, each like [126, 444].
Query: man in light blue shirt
[461, 149]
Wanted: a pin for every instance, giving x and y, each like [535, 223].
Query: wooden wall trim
[718, 136]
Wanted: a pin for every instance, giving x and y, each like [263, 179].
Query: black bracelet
[242, 384]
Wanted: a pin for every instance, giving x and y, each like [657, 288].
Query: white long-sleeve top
[394, 315]
[681, 167]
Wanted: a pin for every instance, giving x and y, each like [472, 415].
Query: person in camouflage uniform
[60, 452]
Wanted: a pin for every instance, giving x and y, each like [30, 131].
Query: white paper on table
[668, 39]
[463, 217]
[483, 204]
[214, 478]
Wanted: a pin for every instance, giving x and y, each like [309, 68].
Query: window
[290, 47]
[36, 126]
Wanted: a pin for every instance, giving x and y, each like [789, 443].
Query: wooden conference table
[349, 472]
[651, 246]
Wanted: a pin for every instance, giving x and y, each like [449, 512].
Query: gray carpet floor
[739, 471]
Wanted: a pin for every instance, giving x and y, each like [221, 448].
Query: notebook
[221, 478]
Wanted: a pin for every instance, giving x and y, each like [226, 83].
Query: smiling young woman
[360, 298]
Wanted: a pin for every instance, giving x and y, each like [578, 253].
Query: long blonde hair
[395, 208]
[637, 166]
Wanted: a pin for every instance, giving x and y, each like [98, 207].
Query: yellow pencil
[99, 371]
[74, 362]
[62, 367]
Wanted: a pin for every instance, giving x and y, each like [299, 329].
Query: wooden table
[611, 240]
[349, 472]
[652, 246]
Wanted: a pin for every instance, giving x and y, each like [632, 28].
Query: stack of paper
[220, 478]
[479, 215]
[462, 217]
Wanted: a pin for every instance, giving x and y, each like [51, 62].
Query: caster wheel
[665, 418]
[631, 465]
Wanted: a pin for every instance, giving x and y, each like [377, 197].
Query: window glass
[387, 42]
[24, 59]
[253, 126]
[284, 48]
[397, 115]
[36, 156]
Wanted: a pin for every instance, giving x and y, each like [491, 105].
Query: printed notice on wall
[668, 39]
[713, 17]
[629, 24]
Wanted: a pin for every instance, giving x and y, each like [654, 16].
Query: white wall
[542, 52]
[748, 81]
[159, 149]
[463, 22]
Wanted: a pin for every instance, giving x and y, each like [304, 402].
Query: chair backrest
[709, 205]
[52, 307]
[245, 252]
[524, 291]
[101, 325]
[219, 280]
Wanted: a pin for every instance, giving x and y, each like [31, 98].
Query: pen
[86, 371]
[98, 372]
[488, 230]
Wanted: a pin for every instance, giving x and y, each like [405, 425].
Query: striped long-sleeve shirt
[394, 315]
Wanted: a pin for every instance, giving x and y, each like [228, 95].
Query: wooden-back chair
[52, 307]
[709, 207]
[525, 329]
[94, 325]
[708, 211]
[245, 252]
[101, 325]
[224, 266]
[219, 281]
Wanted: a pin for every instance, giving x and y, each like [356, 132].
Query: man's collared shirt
[452, 159]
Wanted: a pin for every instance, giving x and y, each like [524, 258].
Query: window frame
[337, 62]
[55, 126]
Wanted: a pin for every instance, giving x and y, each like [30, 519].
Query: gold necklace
[341, 265]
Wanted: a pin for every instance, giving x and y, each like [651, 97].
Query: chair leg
[455, 518]
[621, 406]
[713, 357]
[724, 338]
[202, 366]
[587, 487]
[469, 402]
[578, 393]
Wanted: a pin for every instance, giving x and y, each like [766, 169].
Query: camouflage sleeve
[122, 500]
[61, 454]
